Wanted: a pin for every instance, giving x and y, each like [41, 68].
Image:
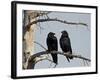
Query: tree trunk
[28, 36]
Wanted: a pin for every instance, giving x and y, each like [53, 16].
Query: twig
[83, 62]
[40, 45]
[87, 63]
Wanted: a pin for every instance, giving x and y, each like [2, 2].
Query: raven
[65, 44]
[52, 44]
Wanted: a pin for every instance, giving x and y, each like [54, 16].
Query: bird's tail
[55, 58]
[69, 57]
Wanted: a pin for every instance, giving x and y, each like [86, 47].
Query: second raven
[65, 44]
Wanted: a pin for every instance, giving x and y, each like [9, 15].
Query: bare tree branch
[55, 19]
[58, 52]
[32, 58]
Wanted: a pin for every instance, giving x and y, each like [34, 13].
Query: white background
[5, 40]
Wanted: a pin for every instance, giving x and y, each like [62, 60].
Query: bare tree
[30, 19]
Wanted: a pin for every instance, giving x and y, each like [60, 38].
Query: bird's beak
[61, 31]
[53, 33]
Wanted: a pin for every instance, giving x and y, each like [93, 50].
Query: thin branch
[87, 63]
[83, 62]
[40, 45]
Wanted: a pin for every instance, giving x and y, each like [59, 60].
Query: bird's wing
[52, 43]
[68, 43]
[65, 44]
[55, 43]
[48, 41]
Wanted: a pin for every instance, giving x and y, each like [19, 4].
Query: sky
[80, 37]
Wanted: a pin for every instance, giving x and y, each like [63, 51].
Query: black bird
[52, 44]
[65, 44]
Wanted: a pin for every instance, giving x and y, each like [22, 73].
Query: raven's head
[51, 34]
[64, 33]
